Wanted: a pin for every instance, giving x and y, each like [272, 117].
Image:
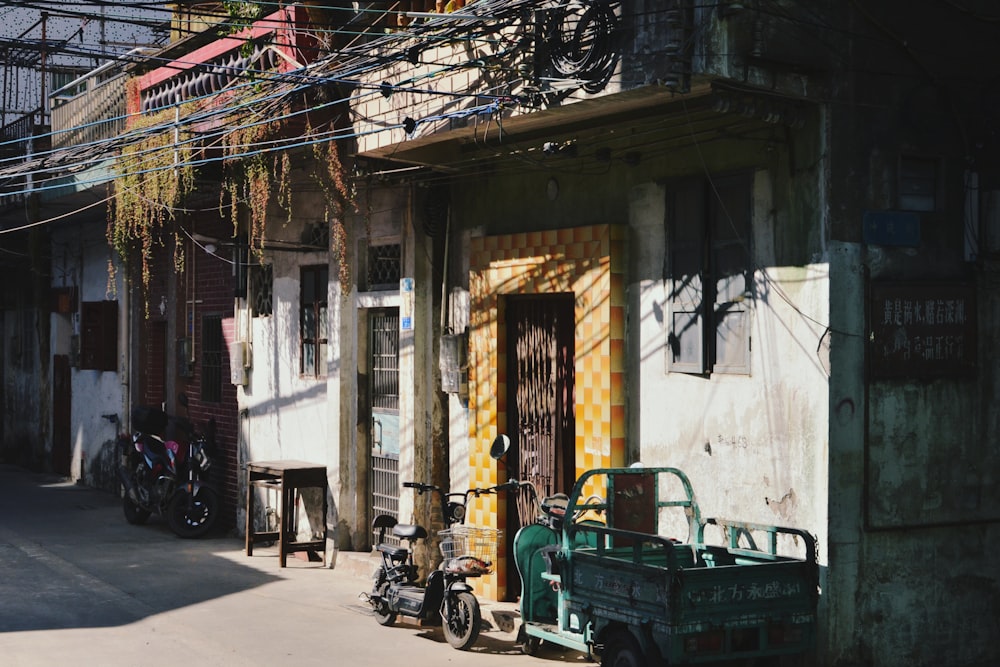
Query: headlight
[457, 512]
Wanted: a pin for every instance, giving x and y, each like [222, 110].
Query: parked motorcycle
[163, 469]
[467, 552]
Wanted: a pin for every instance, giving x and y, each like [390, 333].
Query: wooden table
[286, 477]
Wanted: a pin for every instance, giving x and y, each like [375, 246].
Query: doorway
[541, 417]
[383, 404]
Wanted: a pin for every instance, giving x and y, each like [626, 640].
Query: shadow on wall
[20, 451]
[101, 470]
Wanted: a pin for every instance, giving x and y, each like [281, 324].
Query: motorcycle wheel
[461, 620]
[134, 514]
[384, 615]
[194, 518]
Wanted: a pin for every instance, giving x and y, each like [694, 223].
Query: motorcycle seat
[409, 532]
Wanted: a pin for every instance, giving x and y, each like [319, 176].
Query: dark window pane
[308, 322]
[313, 320]
[686, 207]
[308, 359]
[98, 335]
[709, 273]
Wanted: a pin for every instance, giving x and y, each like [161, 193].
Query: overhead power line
[338, 68]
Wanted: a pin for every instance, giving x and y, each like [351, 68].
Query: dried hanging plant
[329, 174]
[154, 175]
[252, 175]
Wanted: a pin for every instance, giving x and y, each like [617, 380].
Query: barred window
[261, 290]
[384, 267]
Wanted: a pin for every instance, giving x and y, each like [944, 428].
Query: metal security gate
[383, 366]
[540, 399]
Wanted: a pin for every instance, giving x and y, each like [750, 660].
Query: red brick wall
[212, 287]
[208, 282]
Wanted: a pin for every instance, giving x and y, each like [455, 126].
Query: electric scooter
[467, 551]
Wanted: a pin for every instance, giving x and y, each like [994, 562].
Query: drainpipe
[125, 334]
[444, 270]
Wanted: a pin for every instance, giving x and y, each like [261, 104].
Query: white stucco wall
[754, 445]
[283, 415]
[80, 259]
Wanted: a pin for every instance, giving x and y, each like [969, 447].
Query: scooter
[467, 552]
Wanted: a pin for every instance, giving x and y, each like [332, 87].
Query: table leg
[326, 545]
[287, 494]
[249, 532]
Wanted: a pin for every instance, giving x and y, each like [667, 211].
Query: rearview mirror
[499, 447]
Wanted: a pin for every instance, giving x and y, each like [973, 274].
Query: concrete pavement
[78, 585]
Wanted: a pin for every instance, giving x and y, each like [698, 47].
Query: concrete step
[360, 564]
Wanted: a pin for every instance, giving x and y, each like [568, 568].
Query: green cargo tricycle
[625, 568]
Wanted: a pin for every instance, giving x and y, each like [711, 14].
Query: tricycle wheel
[461, 620]
[622, 650]
[530, 645]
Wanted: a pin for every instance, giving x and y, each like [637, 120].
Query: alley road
[80, 586]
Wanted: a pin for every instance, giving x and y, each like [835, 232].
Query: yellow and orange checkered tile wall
[588, 262]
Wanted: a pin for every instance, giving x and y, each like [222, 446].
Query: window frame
[313, 280]
[709, 274]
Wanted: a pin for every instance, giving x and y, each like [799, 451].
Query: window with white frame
[709, 274]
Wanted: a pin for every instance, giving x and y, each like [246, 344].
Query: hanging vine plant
[154, 175]
[338, 198]
[254, 175]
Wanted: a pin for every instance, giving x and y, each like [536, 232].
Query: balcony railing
[20, 139]
[92, 110]
[279, 42]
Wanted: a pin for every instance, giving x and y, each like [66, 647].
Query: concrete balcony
[203, 71]
[457, 80]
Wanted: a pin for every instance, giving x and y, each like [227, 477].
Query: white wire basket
[469, 551]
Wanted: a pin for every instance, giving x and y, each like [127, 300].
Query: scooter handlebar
[420, 487]
[509, 485]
